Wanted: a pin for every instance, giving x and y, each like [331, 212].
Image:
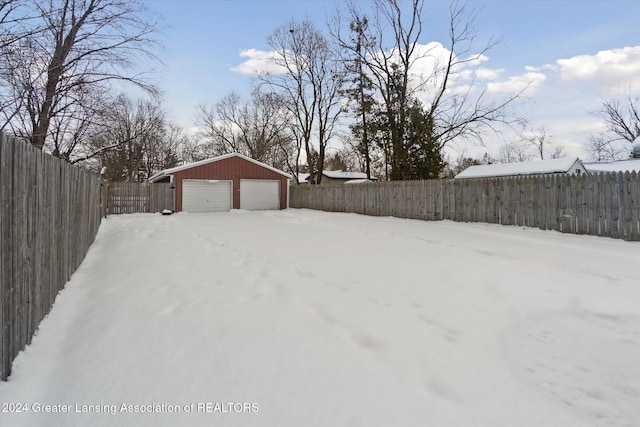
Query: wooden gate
[137, 197]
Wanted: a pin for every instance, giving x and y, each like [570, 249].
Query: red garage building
[231, 181]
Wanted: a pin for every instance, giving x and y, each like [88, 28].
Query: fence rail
[600, 204]
[137, 197]
[49, 217]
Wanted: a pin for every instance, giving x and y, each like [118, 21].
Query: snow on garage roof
[359, 181]
[614, 166]
[345, 175]
[158, 176]
[302, 177]
[536, 167]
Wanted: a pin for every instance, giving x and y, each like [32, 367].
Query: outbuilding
[629, 165]
[563, 166]
[230, 181]
[340, 177]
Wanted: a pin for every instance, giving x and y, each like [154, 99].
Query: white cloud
[258, 62]
[477, 59]
[459, 89]
[488, 73]
[531, 68]
[612, 68]
[569, 148]
[528, 82]
[429, 70]
[431, 58]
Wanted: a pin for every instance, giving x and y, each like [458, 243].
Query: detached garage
[232, 181]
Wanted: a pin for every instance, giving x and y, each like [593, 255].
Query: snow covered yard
[304, 318]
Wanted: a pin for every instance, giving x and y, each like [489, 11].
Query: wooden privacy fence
[137, 197]
[49, 217]
[599, 204]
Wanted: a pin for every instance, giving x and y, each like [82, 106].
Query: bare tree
[327, 77]
[601, 148]
[293, 44]
[388, 65]
[71, 127]
[6, 8]
[80, 45]
[533, 144]
[18, 70]
[135, 141]
[309, 84]
[256, 128]
[15, 22]
[287, 156]
[542, 143]
[220, 136]
[358, 87]
[461, 163]
[622, 117]
[465, 114]
[393, 49]
[190, 149]
[357, 158]
[518, 151]
[8, 21]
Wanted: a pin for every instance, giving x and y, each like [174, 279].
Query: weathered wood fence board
[49, 217]
[606, 204]
[137, 197]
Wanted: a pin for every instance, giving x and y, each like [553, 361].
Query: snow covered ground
[303, 318]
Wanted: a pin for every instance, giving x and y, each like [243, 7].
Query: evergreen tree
[423, 154]
[360, 91]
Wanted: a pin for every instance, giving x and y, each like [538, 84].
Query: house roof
[614, 166]
[535, 167]
[359, 181]
[158, 176]
[345, 175]
[302, 177]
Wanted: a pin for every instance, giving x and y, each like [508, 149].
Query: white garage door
[259, 194]
[199, 195]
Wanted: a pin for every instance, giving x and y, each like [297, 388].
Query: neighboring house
[614, 166]
[302, 178]
[359, 181]
[341, 177]
[564, 166]
[231, 181]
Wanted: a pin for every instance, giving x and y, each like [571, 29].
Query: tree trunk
[54, 71]
[44, 118]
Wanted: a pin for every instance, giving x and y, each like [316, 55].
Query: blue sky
[576, 52]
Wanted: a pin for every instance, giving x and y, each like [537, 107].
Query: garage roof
[158, 176]
[536, 167]
[614, 166]
[339, 174]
